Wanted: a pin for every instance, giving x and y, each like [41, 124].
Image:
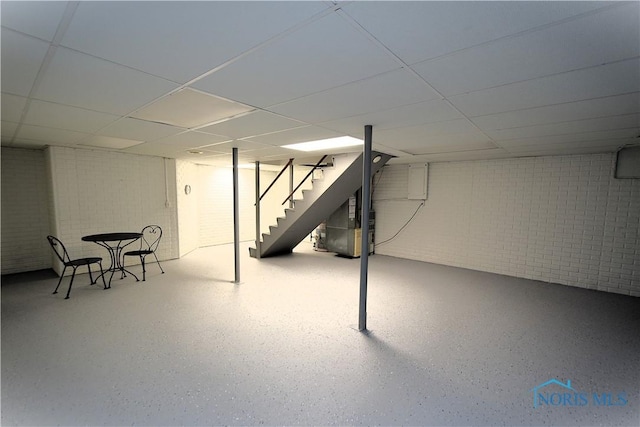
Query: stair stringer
[327, 194]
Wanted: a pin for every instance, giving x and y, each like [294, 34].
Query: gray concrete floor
[445, 346]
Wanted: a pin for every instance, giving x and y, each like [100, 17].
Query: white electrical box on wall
[418, 181]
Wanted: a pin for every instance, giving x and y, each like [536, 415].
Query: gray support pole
[364, 226]
[291, 184]
[236, 215]
[257, 210]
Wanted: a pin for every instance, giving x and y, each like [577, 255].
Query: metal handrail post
[291, 183]
[305, 178]
[290, 162]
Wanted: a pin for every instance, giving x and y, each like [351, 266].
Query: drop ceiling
[438, 81]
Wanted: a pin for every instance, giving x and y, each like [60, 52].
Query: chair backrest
[59, 249]
[151, 235]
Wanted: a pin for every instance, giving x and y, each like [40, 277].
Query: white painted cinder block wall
[205, 216]
[97, 191]
[25, 211]
[562, 219]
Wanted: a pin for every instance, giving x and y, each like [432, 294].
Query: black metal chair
[149, 242]
[63, 255]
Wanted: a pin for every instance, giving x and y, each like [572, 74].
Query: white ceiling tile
[12, 107]
[179, 40]
[49, 135]
[32, 145]
[607, 80]
[59, 116]
[8, 129]
[140, 130]
[322, 55]
[607, 144]
[21, 59]
[389, 90]
[445, 143]
[253, 124]
[419, 30]
[188, 108]
[178, 143]
[109, 142]
[292, 136]
[407, 115]
[226, 147]
[493, 153]
[585, 43]
[591, 108]
[37, 18]
[167, 150]
[418, 134]
[94, 84]
[620, 134]
[576, 126]
[562, 151]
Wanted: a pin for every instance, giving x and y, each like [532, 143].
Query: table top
[111, 237]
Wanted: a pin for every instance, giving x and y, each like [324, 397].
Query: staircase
[317, 204]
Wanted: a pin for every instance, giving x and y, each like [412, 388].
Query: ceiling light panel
[325, 144]
[188, 108]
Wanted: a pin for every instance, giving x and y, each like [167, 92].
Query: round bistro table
[114, 243]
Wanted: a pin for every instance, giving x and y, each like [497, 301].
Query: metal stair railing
[276, 179]
[317, 165]
[289, 198]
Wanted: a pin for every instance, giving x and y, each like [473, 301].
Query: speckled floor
[446, 346]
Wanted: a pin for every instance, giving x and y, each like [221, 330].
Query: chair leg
[60, 280]
[102, 275]
[73, 275]
[144, 269]
[156, 257]
[90, 276]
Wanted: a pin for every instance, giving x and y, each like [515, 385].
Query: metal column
[236, 216]
[257, 210]
[364, 225]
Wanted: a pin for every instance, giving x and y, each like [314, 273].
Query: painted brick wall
[215, 202]
[561, 219]
[97, 191]
[187, 174]
[25, 211]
